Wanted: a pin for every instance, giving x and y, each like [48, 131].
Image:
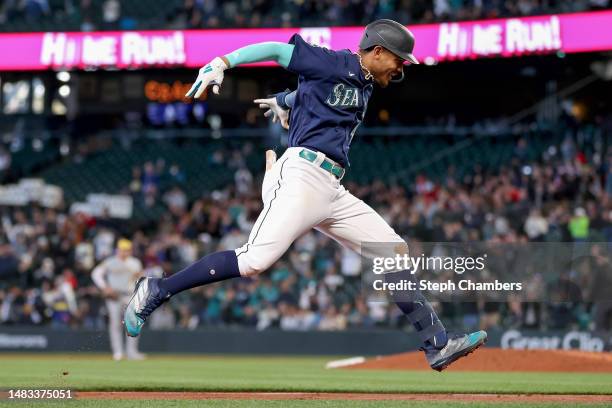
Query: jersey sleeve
[311, 60]
[99, 273]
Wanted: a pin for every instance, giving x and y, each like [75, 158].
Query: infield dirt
[309, 396]
[495, 359]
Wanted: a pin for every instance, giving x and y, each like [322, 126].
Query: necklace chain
[368, 75]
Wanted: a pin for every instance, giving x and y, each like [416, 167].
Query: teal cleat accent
[132, 322]
[146, 298]
[457, 347]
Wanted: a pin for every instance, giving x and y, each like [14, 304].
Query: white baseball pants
[299, 195]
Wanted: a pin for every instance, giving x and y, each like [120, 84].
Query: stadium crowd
[182, 14]
[46, 255]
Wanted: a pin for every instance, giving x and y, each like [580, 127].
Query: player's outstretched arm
[278, 107]
[212, 73]
[98, 275]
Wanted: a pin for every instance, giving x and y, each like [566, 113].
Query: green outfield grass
[89, 372]
[233, 373]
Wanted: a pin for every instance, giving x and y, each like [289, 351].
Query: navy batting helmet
[391, 35]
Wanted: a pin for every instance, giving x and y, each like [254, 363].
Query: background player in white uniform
[116, 277]
[303, 188]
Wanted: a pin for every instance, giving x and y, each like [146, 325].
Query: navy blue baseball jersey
[331, 99]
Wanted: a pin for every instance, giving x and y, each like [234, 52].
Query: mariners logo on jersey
[343, 96]
[331, 99]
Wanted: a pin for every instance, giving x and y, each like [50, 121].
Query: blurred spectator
[579, 225]
[89, 14]
[163, 319]
[196, 14]
[150, 183]
[350, 263]
[332, 320]
[536, 226]
[5, 159]
[189, 15]
[601, 283]
[136, 183]
[244, 180]
[111, 13]
[103, 242]
[316, 285]
[187, 320]
[36, 9]
[176, 200]
[565, 296]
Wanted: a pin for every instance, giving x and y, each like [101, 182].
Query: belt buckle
[335, 166]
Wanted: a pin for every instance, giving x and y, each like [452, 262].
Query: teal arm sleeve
[266, 51]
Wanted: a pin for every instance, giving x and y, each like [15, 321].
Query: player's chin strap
[400, 79]
[418, 311]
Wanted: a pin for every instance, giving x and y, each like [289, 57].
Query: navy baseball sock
[429, 327]
[419, 312]
[212, 268]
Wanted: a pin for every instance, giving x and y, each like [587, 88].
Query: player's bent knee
[250, 270]
[251, 266]
[401, 248]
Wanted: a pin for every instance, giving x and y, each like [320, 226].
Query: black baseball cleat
[457, 347]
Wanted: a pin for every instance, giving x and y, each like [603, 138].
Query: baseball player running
[302, 189]
[115, 277]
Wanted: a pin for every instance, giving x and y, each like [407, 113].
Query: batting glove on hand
[209, 74]
[273, 109]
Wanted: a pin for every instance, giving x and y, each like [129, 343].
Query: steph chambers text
[448, 286]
